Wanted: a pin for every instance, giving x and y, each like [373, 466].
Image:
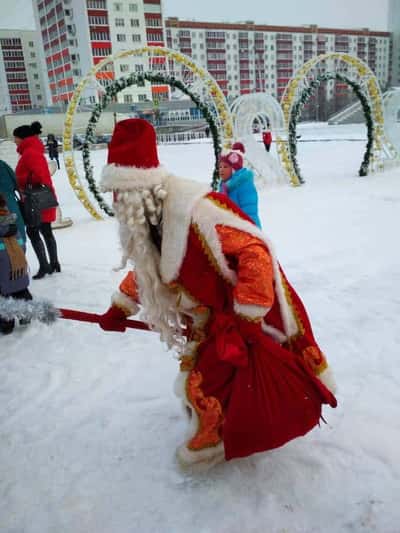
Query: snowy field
[88, 419]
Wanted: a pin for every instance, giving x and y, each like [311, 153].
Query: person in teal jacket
[8, 186]
[237, 182]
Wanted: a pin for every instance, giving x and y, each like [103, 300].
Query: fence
[180, 137]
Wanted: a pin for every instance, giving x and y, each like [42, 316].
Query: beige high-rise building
[78, 34]
[22, 83]
[394, 27]
[248, 57]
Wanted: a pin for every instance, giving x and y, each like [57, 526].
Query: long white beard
[158, 301]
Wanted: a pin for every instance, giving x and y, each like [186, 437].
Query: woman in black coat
[52, 146]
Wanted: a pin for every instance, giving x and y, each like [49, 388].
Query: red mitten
[112, 319]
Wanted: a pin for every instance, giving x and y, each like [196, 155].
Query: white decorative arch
[266, 110]
[391, 113]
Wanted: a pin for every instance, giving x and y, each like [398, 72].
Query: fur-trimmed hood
[116, 177]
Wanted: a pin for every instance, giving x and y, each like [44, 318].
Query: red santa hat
[234, 157]
[132, 157]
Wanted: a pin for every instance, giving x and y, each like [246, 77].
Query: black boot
[51, 245]
[44, 267]
[6, 326]
[55, 267]
[38, 246]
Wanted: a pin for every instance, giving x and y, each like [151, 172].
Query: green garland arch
[305, 96]
[110, 92]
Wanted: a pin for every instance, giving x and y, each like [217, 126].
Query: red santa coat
[250, 370]
[32, 167]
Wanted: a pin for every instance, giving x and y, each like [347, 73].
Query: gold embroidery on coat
[209, 412]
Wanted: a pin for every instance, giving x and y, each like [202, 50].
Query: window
[37, 86]
[33, 54]
[100, 52]
[39, 97]
[121, 37]
[142, 98]
[99, 36]
[128, 98]
[36, 76]
[133, 8]
[96, 20]
[154, 36]
[135, 23]
[136, 38]
[119, 22]
[30, 44]
[117, 6]
[138, 68]
[96, 4]
[124, 68]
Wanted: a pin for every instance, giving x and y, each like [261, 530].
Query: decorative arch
[199, 85]
[391, 113]
[363, 82]
[266, 109]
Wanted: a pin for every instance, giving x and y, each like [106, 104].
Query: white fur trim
[114, 177]
[275, 333]
[180, 392]
[207, 215]
[249, 310]
[125, 302]
[207, 456]
[182, 196]
[328, 380]
[180, 384]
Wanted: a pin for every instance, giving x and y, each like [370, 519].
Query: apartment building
[22, 83]
[246, 57]
[394, 27]
[78, 34]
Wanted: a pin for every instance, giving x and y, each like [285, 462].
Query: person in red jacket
[32, 168]
[267, 139]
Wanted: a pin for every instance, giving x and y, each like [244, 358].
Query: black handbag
[36, 198]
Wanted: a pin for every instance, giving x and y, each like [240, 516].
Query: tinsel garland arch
[110, 92]
[207, 93]
[358, 73]
[306, 95]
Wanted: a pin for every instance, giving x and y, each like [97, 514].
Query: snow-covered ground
[88, 419]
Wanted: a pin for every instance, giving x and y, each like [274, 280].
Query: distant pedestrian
[52, 147]
[267, 139]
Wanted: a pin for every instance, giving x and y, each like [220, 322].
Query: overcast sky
[330, 13]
